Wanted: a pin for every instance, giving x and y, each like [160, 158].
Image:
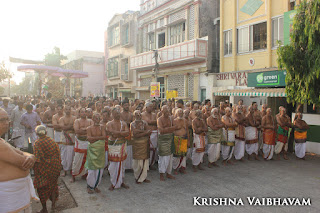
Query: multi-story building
[120, 44]
[170, 33]
[91, 62]
[250, 33]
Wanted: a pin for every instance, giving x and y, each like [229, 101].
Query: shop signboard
[267, 79]
[171, 94]
[287, 25]
[155, 89]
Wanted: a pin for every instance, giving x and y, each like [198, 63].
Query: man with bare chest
[192, 114]
[180, 143]
[258, 118]
[200, 128]
[179, 106]
[239, 148]
[67, 139]
[228, 140]
[117, 131]
[47, 120]
[81, 144]
[95, 162]
[56, 125]
[151, 119]
[141, 134]
[166, 129]
[126, 116]
[186, 116]
[106, 117]
[284, 124]
[269, 135]
[214, 137]
[252, 136]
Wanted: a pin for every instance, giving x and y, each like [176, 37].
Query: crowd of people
[87, 137]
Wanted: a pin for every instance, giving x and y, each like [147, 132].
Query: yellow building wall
[228, 16]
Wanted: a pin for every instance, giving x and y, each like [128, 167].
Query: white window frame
[229, 51]
[275, 46]
[177, 37]
[250, 38]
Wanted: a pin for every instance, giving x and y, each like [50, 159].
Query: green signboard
[267, 79]
[287, 25]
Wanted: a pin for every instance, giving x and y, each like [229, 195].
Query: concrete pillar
[196, 84]
[221, 38]
[234, 36]
[186, 85]
[231, 100]
[269, 34]
[196, 20]
[187, 8]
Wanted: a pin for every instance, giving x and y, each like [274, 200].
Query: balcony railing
[189, 51]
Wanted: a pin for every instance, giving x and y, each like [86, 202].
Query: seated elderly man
[47, 167]
[16, 187]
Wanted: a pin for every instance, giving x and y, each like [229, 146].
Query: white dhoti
[268, 151]
[19, 142]
[198, 150]
[128, 161]
[252, 148]
[94, 178]
[116, 171]
[16, 195]
[140, 169]
[300, 150]
[178, 162]
[239, 149]
[80, 156]
[33, 137]
[227, 145]
[280, 146]
[165, 164]
[214, 152]
[50, 132]
[252, 140]
[57, 136]
[226, 152]
[153, 147]
[67, 152]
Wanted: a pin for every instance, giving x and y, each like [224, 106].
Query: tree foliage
[4, 72]
[54, 58]
[301, 58]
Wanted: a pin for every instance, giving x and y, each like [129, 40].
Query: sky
[30, 29]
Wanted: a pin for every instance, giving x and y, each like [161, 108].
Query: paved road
[290, 178]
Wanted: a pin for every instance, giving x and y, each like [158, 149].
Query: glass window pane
[281, 30]
[274, 32]
[225, 43]
[260, 36]
[230, 42]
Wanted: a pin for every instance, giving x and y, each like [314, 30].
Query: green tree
[301, 58]
[54, 58]
[4, 72]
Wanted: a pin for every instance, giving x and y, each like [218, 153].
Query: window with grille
[113, 65]
[151, 43]
[227, 42]
[177, 33]
[114, 36]
[277, 31]
[125, 34]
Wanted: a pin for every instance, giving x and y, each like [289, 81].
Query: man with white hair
[151, 119]
[239, 147]
[228, 141]
[180, 142]
[200, 128]
[140, 148]
[214, 137]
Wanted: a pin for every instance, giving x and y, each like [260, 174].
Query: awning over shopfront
[145, 88]
[125, 90]
[266, 92]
